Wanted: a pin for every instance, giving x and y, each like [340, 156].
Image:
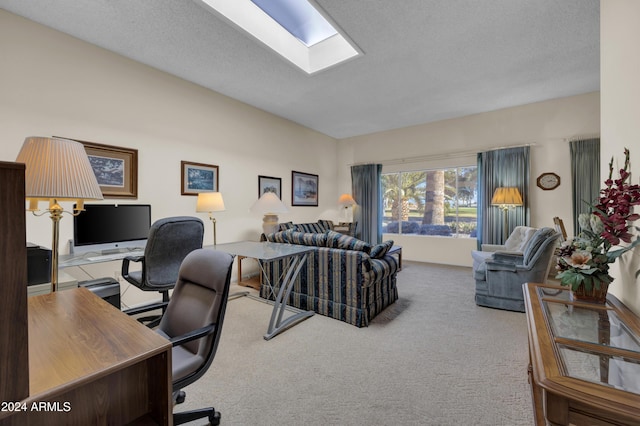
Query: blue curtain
[501, 168]
[366, 190]
[585, 176]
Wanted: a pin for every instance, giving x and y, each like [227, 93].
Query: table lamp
[210, 202]
[506, 198]
[57, 170]
[270, 205]
[345, 201]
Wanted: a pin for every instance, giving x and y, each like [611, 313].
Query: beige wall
[620, 85]
[548, 126]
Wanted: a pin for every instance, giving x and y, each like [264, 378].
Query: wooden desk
[93, 364]
[584, 359]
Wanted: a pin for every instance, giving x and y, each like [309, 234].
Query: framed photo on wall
[115, 167]
[304, 189]
[269, 184]
[197, 177]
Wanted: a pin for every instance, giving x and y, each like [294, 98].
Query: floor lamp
[210, 202]
[57, 170]
[506, 198]
[269, 205]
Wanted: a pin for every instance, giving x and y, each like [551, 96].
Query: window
[431, 202]
[273, 23]
[301, 19]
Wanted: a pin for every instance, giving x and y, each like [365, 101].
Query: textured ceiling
[424, 60]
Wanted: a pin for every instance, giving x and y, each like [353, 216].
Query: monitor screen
[111, 224]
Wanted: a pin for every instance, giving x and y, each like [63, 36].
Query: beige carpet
[432, 358]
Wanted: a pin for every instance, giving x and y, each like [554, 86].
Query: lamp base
[270, 223]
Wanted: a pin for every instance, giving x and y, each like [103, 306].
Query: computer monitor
[107, 228]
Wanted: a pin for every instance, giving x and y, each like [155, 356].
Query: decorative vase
[595, 295]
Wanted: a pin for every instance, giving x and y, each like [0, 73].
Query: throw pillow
[327, 225]
[310, 227]
[286, 225]
[380, 250]
[306, 239]
[346, 242]
[534, 244]
[277, 237]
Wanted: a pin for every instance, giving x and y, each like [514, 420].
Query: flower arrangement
[584, 260]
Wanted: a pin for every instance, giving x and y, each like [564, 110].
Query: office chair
[170, 240]
[193, 322]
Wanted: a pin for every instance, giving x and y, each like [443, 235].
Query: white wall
[53, 84]
[620, 85]
[548, 126]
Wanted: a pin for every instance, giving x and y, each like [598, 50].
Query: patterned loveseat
[344, 278]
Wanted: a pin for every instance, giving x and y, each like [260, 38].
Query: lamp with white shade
[506, 198]
[210, 202]
[57, 170]
[270, 206]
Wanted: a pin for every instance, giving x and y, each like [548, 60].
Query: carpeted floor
[432, 358]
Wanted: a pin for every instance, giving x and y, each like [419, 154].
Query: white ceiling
[424, 60]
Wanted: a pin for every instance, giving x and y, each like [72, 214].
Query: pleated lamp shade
[57, 169]
[507, 196]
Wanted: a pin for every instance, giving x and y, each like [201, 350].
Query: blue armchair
[499, 278]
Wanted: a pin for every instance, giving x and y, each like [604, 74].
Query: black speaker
[38, 264]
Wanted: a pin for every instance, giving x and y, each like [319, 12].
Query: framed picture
[304, 189]
[116, 169]
[269, 184]
[198, 177]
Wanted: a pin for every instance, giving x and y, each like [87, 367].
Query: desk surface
[104, 364]
[80, 259]
[74, 335]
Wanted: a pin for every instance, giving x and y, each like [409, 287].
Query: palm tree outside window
[431, 202]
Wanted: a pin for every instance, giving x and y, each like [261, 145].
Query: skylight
[290, 30]
[298, 17]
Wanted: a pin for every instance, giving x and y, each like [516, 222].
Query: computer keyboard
[114, 256]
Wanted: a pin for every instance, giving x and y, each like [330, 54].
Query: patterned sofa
[344, 278]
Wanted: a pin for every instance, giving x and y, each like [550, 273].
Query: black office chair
[170, 240]
[193, 322]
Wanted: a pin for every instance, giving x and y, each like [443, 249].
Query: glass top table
[584, 358]
[294, 257]
[595, 341]
[265, 251]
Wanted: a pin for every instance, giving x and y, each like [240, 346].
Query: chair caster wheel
[180, 397]
[214, 420]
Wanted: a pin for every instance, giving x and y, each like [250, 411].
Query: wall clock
[548, 181]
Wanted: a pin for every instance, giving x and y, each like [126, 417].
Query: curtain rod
[582, 137]
[418, 159]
